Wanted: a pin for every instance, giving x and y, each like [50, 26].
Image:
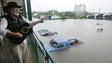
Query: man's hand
[15, 34]
[1, 37]
[36, 22]
[41, 20]
[18, 35]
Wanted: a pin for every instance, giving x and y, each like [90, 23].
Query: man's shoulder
[4, 17]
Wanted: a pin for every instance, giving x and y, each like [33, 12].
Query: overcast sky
[68, 5]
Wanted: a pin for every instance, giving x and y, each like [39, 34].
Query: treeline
[62, 15]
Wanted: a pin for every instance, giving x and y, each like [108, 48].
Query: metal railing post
[29, 10]
[24, 9]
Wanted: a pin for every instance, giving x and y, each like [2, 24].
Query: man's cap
[11, 5]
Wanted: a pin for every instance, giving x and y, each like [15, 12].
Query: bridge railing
[40, 54]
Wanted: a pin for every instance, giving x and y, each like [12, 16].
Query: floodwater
[97, 47]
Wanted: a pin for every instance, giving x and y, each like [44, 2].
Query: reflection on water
[97, 47]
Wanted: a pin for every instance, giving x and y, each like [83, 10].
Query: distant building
[100, 16]
[55, 17]
[90, 16]
[108, 16]
[80, 10]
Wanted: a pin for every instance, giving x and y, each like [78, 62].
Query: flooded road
[97, 47]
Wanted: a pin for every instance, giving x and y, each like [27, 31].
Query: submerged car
[98, 23]
[59, 42]
[45, 32]
[100, 29]
[63, 43]
[73, 41]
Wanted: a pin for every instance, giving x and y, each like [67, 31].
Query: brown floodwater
[97, 47]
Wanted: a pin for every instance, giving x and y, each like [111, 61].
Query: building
[80, 10]
[108, 16]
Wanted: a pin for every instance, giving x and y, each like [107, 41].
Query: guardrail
[40, 54]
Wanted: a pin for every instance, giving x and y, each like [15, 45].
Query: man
[21, 11]
[8, 25]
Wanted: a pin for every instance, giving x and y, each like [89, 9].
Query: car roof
[60, 40]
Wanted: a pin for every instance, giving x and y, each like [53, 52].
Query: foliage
[63, 15]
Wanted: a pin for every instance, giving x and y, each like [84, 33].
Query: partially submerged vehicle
[100, 29]
[73, 41]
[63, 43]
[45, 32]
[59, 42]
[98, 23]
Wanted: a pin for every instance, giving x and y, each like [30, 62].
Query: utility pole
[99, 10]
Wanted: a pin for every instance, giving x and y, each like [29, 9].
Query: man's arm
[3, 26]
[14, 34]
[36, 22]
[32, 23]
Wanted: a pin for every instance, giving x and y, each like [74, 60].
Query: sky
[68, 5]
